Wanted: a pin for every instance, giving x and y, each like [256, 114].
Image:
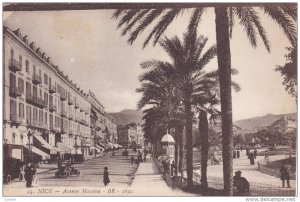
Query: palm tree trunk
[189, 144]
[224, 69]
[203, 132]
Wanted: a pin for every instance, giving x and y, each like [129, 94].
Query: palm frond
[246, 21]
[235, 86]
[128, 16]
[150, 17]
[279, 16]
[231, 20]
[206, 58]
[118, 13]
[137, 18]
[261, 30]
[162, 25]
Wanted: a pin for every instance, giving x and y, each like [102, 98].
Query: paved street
[91, 173]
[261, 184]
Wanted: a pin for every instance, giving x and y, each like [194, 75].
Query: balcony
[52, 89]
[14, 91]
[64, 113]
[15, 65]
[36, 79]
[71, 116]
[76, 105]
[63, 97]
[65, 130]
[39, 102]
[52, 107]
[15, 118]
[70, 100]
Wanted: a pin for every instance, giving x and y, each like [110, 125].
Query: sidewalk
[148, 181]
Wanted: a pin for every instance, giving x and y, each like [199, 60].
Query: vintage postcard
[149, 99]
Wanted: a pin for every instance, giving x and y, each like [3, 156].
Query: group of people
[251, 155]
[236, 154]
[139, 158]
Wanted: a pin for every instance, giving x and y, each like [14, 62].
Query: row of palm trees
[184, 56]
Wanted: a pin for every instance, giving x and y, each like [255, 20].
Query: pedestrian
[172, 168]
[28, 175]
[285, 174]
[238, 154]
[255, 153]
[34, 178]
[132, 160]
[241, 184]
[234, 154]
[251, 158]
[140, 158]
[267, 156]
[106, 180]
[247, 151]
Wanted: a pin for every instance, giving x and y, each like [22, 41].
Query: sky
[89, 48]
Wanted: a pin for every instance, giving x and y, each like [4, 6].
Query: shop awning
[45, 144]
[99, 148]
[109, 145]
[40, 153]
[100, 145]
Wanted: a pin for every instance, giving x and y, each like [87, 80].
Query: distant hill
[128, 116]
[253, 124]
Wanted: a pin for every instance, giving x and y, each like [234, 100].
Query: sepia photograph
[149, 99]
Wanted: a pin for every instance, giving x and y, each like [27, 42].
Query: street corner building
[46, 116]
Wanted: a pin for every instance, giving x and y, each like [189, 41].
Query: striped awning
[46, 145]
[44, 155]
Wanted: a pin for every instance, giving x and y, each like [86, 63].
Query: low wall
[274, 172]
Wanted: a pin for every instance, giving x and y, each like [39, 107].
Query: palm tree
[285, 15]
[188, 60]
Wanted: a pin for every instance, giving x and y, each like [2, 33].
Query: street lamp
[5, 148]
[29, 135]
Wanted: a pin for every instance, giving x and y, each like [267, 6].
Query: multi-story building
[130, 135]
[97, 121]
[45, 114]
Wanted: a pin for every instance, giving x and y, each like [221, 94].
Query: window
[28, 88]
[46, 118]
[40, 93]
[34, 69]
[12, 80]
[40, 116]
[40, 74]
[28, 113]
[21, 110]
[49, 81]
[46, 98]
[13, 107]
[12, 53]
[13, 138]
[35, 114]
[27, 66]
[22, 139]
[50, 99]
[45, 79]
[51, 120]
[21, 61]
[34, 91]
[21, 84]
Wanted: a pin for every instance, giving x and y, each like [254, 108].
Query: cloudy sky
[88, 47]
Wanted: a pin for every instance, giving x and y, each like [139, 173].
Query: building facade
[130, 135]
[45, 115]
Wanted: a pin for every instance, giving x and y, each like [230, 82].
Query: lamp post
[5, 148]
[29, 135]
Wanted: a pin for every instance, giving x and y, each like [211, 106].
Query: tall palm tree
[188, 60]
[285, 15]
